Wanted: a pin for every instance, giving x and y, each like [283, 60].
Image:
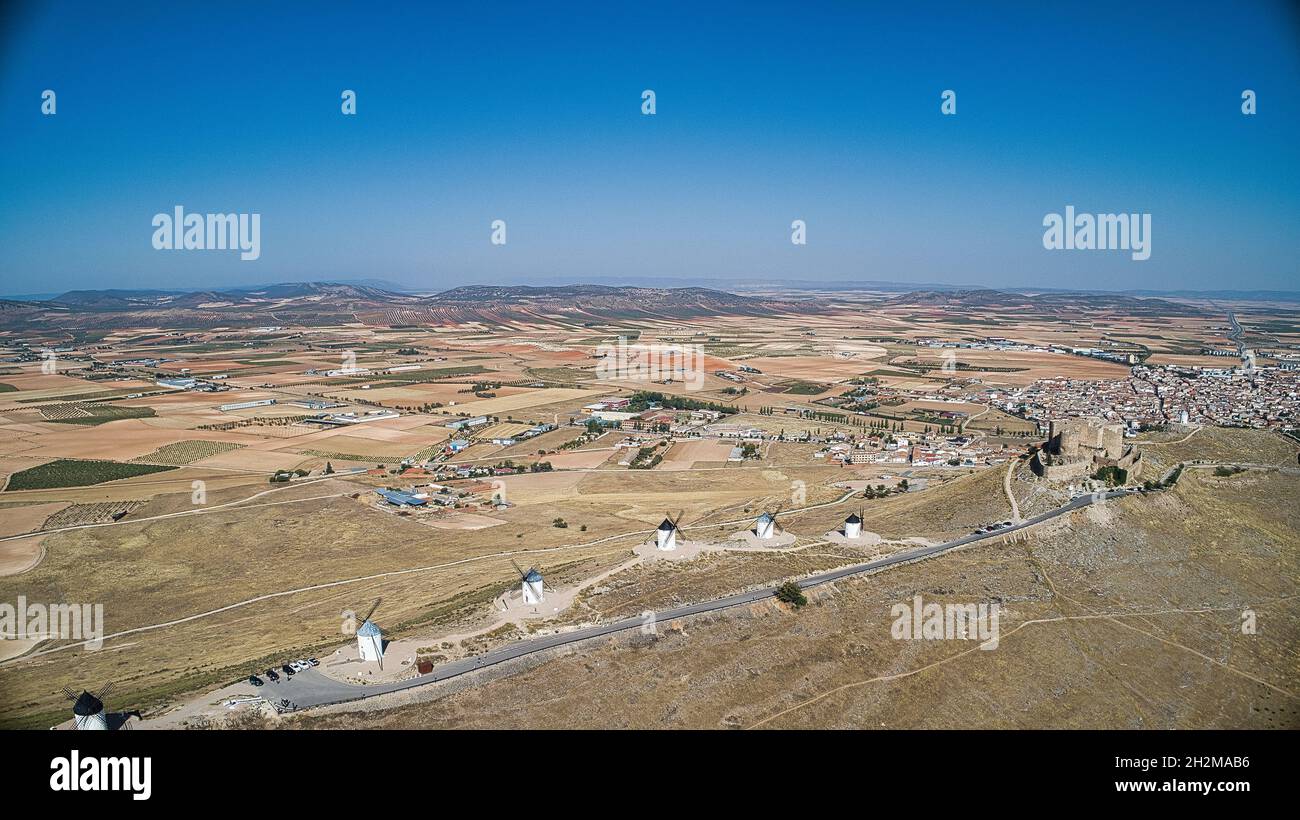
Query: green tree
[790, 593]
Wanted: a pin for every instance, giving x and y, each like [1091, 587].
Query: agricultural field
[93, 413]
[186, 452]
[76, 515]
[70, 472]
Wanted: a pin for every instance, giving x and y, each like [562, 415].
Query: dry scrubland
[1221, 444]
[164, 570]
[1126, 619]
[153, 572]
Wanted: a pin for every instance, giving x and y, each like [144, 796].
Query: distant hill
[333, 290]
[325, 303]
[146, 299]
[318, 303]
[570, 304]
[1064, 302]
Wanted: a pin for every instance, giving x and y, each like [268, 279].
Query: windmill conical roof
[765, 518]
[667, 525]
[853, 519]
[87, 704]
[533, 576]
[368, 630]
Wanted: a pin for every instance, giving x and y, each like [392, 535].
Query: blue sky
[766, 113]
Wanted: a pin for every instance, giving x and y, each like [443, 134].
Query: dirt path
[1180, 441]
[987, 408]
[560, 599]
[1006, 486]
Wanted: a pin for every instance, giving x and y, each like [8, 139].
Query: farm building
[400, 499]
[244, 405]
[464, 424]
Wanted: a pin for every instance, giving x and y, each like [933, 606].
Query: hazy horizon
[738, 285]
[764, 116]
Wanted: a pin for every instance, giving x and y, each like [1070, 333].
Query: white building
[370, 642]
[853, 526]
[765, 527]
[532, 587]
[666, 536]
[462, 424]
[88, 712]
[244, 405]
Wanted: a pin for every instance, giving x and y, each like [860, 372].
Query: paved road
[311, 688]
[1236, 335]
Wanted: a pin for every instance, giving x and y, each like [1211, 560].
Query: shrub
[790, 593]
[1112, 475]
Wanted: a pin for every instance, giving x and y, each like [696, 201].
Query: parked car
[255, 680]
[271, 673]
[313, 662]
[287, 669]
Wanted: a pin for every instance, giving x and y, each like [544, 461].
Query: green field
[7, 388]
[411, 376]
[75, 472]
[802, 388]
[93, 395]
[186, 452]
[567, 375]
[101, 413]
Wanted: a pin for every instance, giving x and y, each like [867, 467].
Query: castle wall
[1075, 448]
[1059, 470]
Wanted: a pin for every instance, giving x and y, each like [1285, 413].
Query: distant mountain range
[1064, 302]
[727, 285]
[325, 303]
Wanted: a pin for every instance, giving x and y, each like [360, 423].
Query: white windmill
[370, 640]
[853, 526]
[666, 535]
[765, 526]
[531, 584]
[88, 709]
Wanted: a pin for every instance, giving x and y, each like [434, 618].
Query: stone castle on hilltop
[1078, 447]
